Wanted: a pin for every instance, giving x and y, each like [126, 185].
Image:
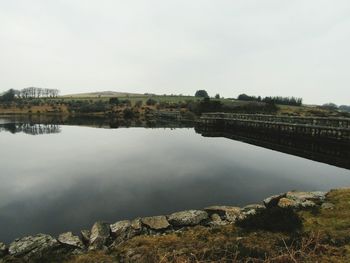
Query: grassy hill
[99, 103]
[103, 94]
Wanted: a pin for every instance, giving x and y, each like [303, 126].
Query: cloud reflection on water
[66, 182]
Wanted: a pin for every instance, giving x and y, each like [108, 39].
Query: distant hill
[104, 94]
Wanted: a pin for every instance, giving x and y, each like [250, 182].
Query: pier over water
[316, 127]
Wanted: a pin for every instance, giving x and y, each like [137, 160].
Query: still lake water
[67, 180]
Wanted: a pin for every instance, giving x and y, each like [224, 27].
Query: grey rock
[316, 197]
[33, 246]
[273, 200]
[85, 236]
[295, 200]
[121, 231]
[327, 205]
[301, 200]
[3, 250]
[155, 222]
[187, 218]
[295, 203]
[250, 210]
[307, 204]
[69, 239]
[120, 227]
[215, 220]
[320, 195]
[100, 233]
[288, 203]
[136, 224]
[136, 228]
[229, 213]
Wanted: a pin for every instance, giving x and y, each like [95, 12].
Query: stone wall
[106, 236]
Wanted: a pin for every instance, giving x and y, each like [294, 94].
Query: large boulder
[136, 228]
[100, 234]
[69, 239]
[187, 218]
[316, 197]
[136, 225]
[229, 213]
[121, 231]
[300, 200]
[155, 222]
[295, 200]
[216, 220]
[287, 203]
[38, 246]
[250, 210]
[85, 236]
[124, 230]
[273, 200]
[3, 250]
[120, 227]
[307, 204]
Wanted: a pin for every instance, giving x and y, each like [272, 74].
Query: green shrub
[114, 101]
[128, 114]
[138, 103]
[151, 102]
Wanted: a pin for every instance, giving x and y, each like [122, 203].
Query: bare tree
[34, 92]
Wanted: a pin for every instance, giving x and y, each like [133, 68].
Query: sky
[271, 47]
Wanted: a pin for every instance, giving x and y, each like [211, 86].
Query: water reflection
[97, 122]
[334, 153]
[65, 182]
[33, 129]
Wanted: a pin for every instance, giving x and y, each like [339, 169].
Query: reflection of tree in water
[33, 129]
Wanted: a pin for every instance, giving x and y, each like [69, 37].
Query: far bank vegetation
[34, 100]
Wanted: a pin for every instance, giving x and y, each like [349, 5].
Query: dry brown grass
[93, 257]
[303, 111]
[255, 247]
[42, 109]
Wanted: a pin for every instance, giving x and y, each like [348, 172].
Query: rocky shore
[105, 236]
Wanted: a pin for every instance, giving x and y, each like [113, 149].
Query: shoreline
[105, 236]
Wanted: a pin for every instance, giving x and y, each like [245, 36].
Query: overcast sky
[270, 47]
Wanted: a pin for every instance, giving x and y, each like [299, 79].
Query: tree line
[334, 107]
[345, 108]
[273, 100]
[270, 100]
[27, 93]
[34, 92]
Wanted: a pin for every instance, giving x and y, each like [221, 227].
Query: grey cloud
[270, 47]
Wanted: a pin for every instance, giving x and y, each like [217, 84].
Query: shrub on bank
[151, 102]
[128, 113]
[138, 103]
[87, 107]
